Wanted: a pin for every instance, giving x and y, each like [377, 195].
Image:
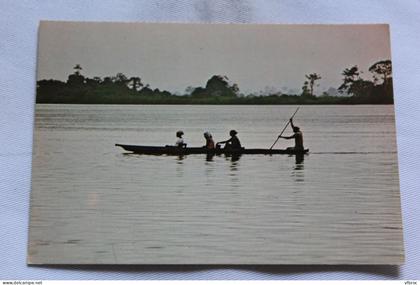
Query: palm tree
[135, 83]
[77, 69]
[351, 76]
[312, 78]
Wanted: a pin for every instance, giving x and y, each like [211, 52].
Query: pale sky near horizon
[174, 56]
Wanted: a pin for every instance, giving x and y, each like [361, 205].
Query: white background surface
[18, 41]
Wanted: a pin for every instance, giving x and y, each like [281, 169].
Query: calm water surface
[94, 203]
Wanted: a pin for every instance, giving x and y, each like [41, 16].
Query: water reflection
[179, 165]
[235, 157]
[234, 170]
[232, 157]
[180, 159]
[210, 156]
[234, 166]
[299, 158]
[298, 169]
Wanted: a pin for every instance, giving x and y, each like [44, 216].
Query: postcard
[214, 144]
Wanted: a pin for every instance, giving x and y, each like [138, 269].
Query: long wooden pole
[288, 122]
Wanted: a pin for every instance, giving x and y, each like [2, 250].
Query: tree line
[121, 89]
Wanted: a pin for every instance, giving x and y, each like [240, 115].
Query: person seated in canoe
[297, 135]
[180, 141]
[232, 143]
[209, 140]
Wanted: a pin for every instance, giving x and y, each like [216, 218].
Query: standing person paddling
[298, 136]
[180, 141]
[233, 142]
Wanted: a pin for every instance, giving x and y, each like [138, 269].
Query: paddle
[288, 122]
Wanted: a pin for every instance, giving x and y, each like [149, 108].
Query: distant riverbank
[188, 100]
[120, 89]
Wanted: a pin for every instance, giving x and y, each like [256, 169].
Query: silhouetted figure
[233, 142]
[209, 141]
[180, 141]
[298, 136]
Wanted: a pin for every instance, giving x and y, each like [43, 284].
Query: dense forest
[120, 89]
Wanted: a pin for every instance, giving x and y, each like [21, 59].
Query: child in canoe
[209, 140]
[180, 141]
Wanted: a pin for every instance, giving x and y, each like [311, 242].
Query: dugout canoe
[173, 150]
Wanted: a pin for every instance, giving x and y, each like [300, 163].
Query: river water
[92, 202]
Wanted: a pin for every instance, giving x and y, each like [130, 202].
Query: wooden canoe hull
[173, 150]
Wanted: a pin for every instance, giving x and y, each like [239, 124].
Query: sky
[174, 56]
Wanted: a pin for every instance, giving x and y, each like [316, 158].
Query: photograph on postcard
[214, 144]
